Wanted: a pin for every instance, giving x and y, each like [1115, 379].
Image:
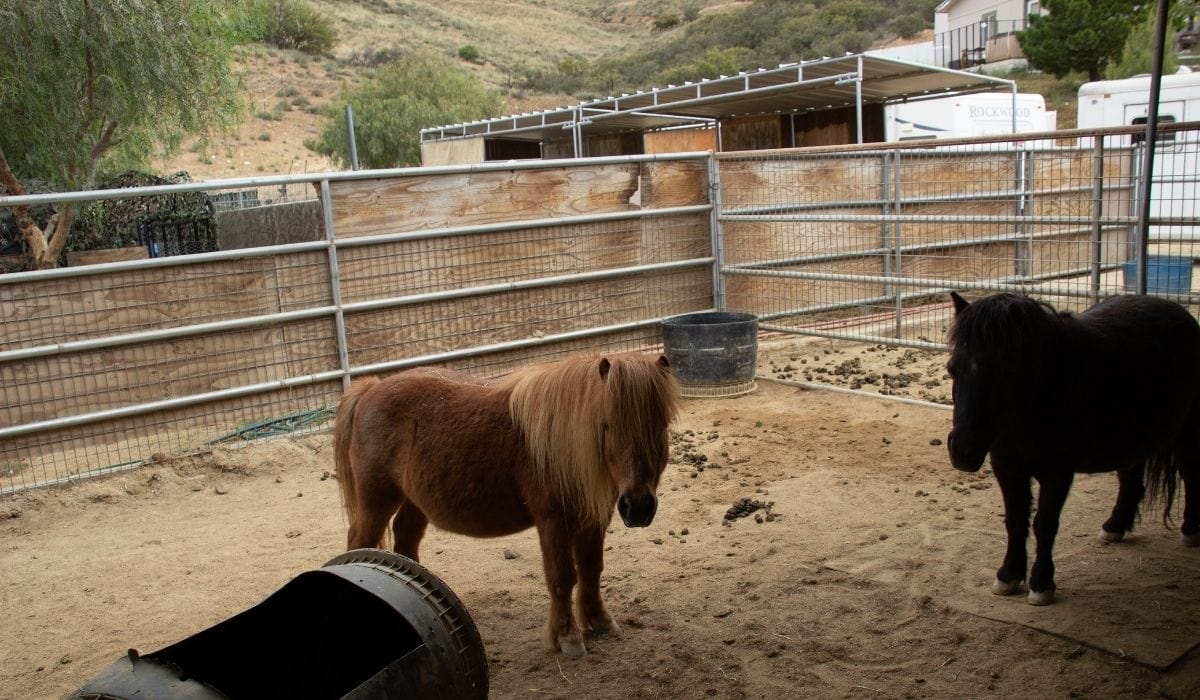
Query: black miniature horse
[1048, 394]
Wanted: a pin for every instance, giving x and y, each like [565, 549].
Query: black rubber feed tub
[368, 624]
[712, 353]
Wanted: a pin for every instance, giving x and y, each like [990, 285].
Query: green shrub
[286, 24]
[667, 20]
[468, 52]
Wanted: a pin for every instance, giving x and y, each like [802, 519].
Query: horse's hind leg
[408, 527]
[1129, 496]
[589, 563]
[373, 506]
[1189, 472]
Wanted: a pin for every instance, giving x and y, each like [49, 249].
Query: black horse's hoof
[1041, 597]
[1005, 587]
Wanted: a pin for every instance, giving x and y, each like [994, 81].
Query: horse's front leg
[589, 563]
[1052, 494]
[1129, 496]
[562, 634]
[1017, 492]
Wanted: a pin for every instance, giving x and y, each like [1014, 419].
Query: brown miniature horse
[554, 446]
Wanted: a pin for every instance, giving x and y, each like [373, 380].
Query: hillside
[286, 89]
[515, 39]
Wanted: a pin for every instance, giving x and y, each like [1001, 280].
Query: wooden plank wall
[106, 304]
[423, 266]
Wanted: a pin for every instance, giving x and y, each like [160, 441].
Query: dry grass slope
[286, 89]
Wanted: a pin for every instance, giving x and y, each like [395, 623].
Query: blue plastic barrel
[1165, 274]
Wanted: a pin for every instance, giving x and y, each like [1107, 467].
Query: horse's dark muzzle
[637, 510]
[962, 459]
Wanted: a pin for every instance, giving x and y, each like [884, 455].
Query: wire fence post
[1097, 254]
[718, 242]
[335, 286]
[350, 136]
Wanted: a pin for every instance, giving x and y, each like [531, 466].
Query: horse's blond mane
[561, 408]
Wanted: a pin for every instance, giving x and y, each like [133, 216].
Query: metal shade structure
[795, 88]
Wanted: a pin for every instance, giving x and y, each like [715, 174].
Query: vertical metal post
[718, 241]
[350, 136]
[1144, 187]
[1023, 265]
[885, 228]
[335, 286]
[858, 101]
[577, 134]
[1013, 87]
[1096, 248]
[897, 243]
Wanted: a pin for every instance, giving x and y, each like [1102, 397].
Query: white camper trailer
[1124, 102]
[964, 116]
[1176, 163]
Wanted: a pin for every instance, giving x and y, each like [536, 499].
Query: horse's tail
[342, 431]
[1162, 481]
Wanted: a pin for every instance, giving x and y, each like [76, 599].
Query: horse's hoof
[1005, 588]
[1041, 597]
[572, 645]
[1107, 536]
[1192, 540]
[605, 625]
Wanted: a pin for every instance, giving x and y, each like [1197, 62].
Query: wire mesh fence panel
[253, 330]
[864, 244]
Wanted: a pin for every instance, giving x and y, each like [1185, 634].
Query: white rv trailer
[1176, 174]
[964, 116]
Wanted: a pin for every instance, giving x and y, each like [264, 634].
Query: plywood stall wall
[70, 383]
[821, 215]
[680, 140]
[420, 265]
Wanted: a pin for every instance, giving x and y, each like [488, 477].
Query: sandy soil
[865, 574]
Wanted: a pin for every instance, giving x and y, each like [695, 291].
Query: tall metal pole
[858, 104]
[1148, 146]
[350, 133]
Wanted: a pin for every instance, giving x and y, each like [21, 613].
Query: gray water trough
[712, 353]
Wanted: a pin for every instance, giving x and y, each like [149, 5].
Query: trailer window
[1165, 139]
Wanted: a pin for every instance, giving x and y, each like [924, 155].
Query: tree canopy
[1080, 35]
[403, 97]
[90, 86]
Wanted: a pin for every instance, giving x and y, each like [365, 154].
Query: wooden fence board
[422, 329]
[83, 382]
[780, 182]
[753, 241]
[674, 183]
[74, 308]
[417, 202]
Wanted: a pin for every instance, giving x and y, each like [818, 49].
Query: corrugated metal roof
[827, 83]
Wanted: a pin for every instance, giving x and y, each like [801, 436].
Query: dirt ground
[860, 569]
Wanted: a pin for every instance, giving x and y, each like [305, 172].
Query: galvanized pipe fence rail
[863, 244]
[105, 367]
[488, 267]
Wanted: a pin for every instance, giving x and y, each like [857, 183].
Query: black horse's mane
[1004, 325]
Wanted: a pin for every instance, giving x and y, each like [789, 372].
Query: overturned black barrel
[712, 353]
[368, 624]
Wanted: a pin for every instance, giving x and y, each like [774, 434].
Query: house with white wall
[981, 33]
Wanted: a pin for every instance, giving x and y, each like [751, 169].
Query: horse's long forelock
[561, 409]
[1003, 325]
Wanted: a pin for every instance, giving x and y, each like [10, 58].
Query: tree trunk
[43, 250]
